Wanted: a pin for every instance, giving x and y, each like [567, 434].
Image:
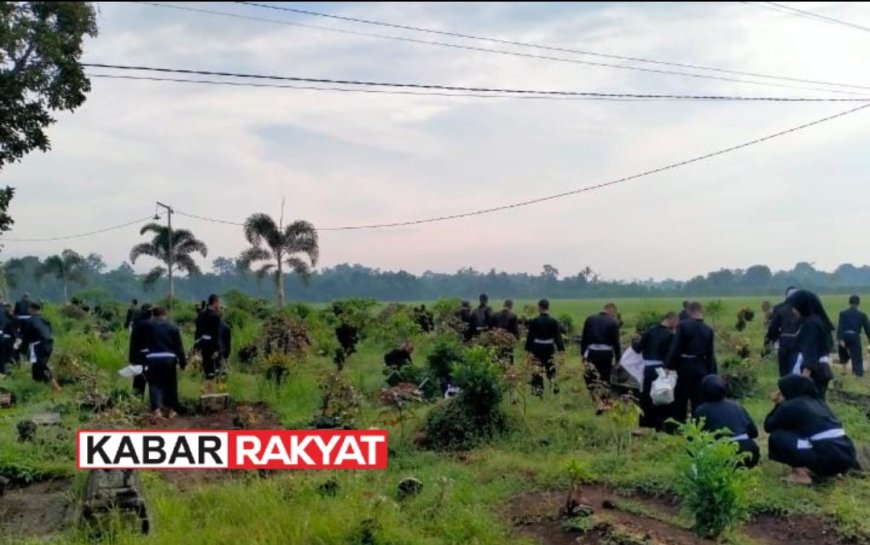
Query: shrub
[566, 322]
[501, 342]
[712, 483]
[446, 318]
[647, 319]
[741, 376]
[394, 325]
[339, 403]
[474, 415]
[446, 353]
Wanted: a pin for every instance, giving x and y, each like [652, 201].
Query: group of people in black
[157, 348]
[25, 335]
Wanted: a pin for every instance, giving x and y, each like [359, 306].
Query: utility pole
[169, 212]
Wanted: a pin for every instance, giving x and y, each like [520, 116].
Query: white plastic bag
[131, 371]
[662, 391]
[633, 364]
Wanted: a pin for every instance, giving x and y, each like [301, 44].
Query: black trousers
[39, 369]
[856, 354]
[687, 394]
[653, 416]
[162, 383]
[212, 363]
[546, 364]
[6, 355]
[786, 356]
[750, 447]
[826, 458]
[602, 361]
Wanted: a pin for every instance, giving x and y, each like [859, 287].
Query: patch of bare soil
[257, 416]
[37, 510]
[633, 520]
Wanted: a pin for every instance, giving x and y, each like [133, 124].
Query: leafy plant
[446, 353]
[622, 418]
[741, 376]
[501, 342]
[712, 483]
[394, 325]
[174, 247]
[398, 401]
[339, 402]
[714, 310]
[68, 267]
[647, 319]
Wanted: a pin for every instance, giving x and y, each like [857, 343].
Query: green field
[465, 494]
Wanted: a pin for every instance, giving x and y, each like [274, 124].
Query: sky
[353, 158]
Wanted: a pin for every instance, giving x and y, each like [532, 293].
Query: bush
[339, 403]
[474, 415]
[712, 483]
[741, 376]
[647, 319]
[446, 353]
[566, 322]
[394, 325]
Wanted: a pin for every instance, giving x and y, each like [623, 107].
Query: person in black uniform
[21, 310]
[132, 311]
[599, 344]
[849, 328]
[684, 314]
[693, 357]
[464, 317]
[506, 319]
[165, 351]
[7, 339]
[226, 339]
[209, 340]
[543, 340]
[37, 337]
[805, 434]
[784, 324]
[653, 346]
[22, 307]
[719, 413]
[399, 357]
[814, 341]
[138, 347]
[481, 318]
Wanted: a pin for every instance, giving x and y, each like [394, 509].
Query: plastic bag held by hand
[633, 363]
[662, 391]
[130, 371]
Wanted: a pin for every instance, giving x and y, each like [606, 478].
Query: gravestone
[114, 489]
[215, 402]
[6, 400]
[46, 419]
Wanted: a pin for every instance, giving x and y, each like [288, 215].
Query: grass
[463, 496]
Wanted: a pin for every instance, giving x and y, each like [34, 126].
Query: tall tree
[40, 48]
[276, 246]
[68, 267]
[180, 249]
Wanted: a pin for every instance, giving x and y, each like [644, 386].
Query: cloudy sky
[354, 158]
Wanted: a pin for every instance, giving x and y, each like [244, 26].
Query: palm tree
[276, 246]
[178, 253]
[67, 267]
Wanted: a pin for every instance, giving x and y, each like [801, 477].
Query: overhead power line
[464, 89]
[548, 47]
[809, 14]
[564, 194]
[500, 51]
[79, 235]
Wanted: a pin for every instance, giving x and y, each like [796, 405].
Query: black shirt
[601, 329]
[132, 316]
[36, 330]
[692, 338]
[803, 415]
[162, 336]
[783, 321]
[397, 358]
[684, 315]
[22, 307]
[854, 321]
[726, 414]
[208, 324]
[544, 328]
[655, 343]
[481, 318]
[507, 320]
[814, 342]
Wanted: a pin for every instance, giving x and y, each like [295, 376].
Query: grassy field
[464, 495]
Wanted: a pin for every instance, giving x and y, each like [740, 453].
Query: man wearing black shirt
[543, 340]
[783, 328]
[849, 328]
[692, 356]
[165, 352]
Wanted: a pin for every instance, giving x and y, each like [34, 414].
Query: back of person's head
[713, 389]
[25, 297]
[807, 304]
[146, 311]
[484, 299]
[789, 291]
[685, 305]
[696, 308]
[158, 312]
[213, 299]
[35, 306]
[765, 306]
[134, 302]
[508, 304]
[854, 300]
[670, 318]
[543, 305]
[610, 308]
[792, 386]
[465, 304]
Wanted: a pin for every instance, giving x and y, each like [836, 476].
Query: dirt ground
[257, 416]
[37, 510]
[535, 515]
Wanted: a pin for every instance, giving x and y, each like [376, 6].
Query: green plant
[622, 418]
[647, 319]
[741, 376]
[394, 325]
[566, 322]
[339, 402]
[398, 401]
[714, 310]
[712, 482]
[446, 353]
